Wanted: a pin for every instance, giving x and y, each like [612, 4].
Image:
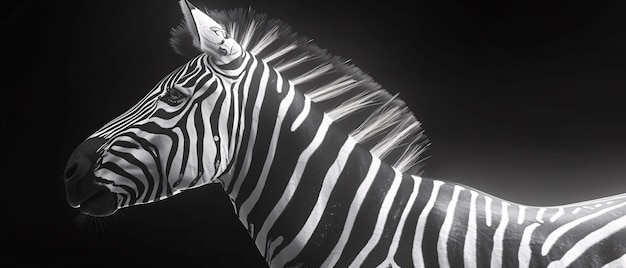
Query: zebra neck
[297, 180]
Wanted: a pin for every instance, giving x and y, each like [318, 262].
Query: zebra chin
[102, 204]
[81, 189]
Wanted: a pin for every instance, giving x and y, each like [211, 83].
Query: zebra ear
[190, 25]
[209, 36]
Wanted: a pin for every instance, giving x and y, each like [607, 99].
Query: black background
[521, 99]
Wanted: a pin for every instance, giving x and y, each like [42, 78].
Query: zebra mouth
[83, 189]
[101, 204]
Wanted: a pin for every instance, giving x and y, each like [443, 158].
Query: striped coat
[318, 162]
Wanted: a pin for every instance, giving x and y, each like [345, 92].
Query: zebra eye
[173, 97]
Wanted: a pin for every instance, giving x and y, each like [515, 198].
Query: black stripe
[433, 226]
[146, 172]
[380, 251]
[571, 237]
[147, 101]
[404, 254]
[234, 64]
[231, 116]
[267, 121]
[290, 146]
[329, 229]
[236, 106]
[458, 230]
[154, 152]
[605, 251]
[247, 115]
[121, 123]
[124, 200]
[366, 219]
[197, 70]
[512, 238]
[134, 195]
[152, 127]
[254, 84]
[484, 233]
[199, 126]
[227, 67]
[297, 210]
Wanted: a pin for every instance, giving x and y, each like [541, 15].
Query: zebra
[321, 164]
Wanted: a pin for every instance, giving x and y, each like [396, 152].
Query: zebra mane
[381, 122]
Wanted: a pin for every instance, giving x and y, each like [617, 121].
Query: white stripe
[557, 215]
[352, 213]
[223, 130]
[540, 214]
[241, 120]
[124, 123]
[175, 170]
[521, 214]
[418, 258]
[271, 248]
[444, 233]
[498, 237]
[380, 221]
[551, 239]
[303, 114]
[393, 248]
[247, 205]
[576, 210]
[253, 129]
[618, 263]
[293, 183]
[524, 252]
[469, 248]
[328, 184]
[591, 239]
[145, 105]
[488, 210]
[131, 168]
[237, 120]
[192, 161]
[217, 65]
[594, 201]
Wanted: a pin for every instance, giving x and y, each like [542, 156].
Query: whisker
[98, 226]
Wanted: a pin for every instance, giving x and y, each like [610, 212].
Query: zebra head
[174, 139]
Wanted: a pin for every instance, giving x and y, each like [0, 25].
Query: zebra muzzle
[81, 188]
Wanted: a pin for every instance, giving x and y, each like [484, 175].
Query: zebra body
[310, 193]
[365, 213]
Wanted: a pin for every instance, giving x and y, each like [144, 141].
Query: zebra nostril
[70, 170]
[79, 178]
